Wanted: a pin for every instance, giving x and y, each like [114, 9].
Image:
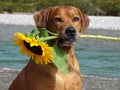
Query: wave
[7, 75]
[9, 70]
[84, 76]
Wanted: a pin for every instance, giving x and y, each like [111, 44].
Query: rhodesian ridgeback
[68, 22]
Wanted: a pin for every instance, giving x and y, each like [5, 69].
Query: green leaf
[60, 58]
[33, 32]
[43, 32]
[28, 34]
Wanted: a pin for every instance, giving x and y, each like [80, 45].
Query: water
[10, 57]
[96, 57]
[99, 57]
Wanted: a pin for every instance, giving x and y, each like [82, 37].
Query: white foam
[8, 69]
[105, 22]
[16, 19]
[96, 22]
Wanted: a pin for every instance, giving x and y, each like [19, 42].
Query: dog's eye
[58, 19]
[76, 19]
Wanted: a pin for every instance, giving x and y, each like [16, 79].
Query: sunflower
[40, 52]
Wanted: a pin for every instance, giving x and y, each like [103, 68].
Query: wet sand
[89, 82]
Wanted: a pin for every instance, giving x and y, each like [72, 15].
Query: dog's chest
[68, 82]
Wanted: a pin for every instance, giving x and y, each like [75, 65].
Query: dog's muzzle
[68, 37]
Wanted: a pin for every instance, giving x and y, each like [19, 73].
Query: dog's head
[67, 21]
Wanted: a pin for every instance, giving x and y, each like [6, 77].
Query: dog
[68, 22]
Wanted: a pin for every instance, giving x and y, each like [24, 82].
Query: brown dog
[67, 21]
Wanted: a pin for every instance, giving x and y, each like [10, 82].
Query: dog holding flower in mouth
[41, 73]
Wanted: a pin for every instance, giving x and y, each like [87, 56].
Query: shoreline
[96, 22]
[7, 75]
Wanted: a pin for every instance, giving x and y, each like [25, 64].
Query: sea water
[96, 57]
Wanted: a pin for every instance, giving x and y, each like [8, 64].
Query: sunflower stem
[52, 33]
[49, 38]
[99, 37]
[45, 30]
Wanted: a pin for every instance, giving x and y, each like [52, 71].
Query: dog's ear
[41, 17]
[85, 21]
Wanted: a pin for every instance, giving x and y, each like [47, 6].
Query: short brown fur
[48, 77]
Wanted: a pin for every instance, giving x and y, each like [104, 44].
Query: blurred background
[99, 59]
[90, 7]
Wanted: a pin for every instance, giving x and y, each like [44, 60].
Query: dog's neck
[69, 49]
[72, 64]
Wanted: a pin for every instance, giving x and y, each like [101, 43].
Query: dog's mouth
[67, 41]
[68, 36]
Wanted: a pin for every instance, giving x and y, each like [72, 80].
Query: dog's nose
[70, 32]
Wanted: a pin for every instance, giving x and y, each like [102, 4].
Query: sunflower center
[34, 49]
